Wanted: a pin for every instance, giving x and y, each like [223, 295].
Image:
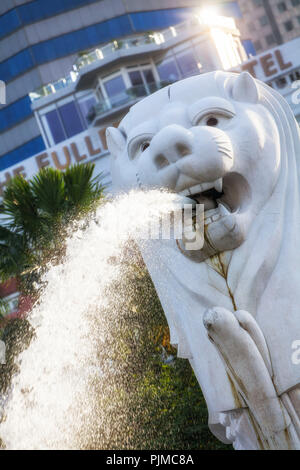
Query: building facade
[40, 40]
[279, 67]
[111, 78]
[269, 22]
[72, 67]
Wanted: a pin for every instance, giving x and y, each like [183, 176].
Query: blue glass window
[138, 88]
[55, 126]
[86, 106]
[9, 22]
[26, 150]
[168, 71]
[148, 76]
[187, 64]
[39, 9]
[81, 39]
[16, 65]
[147, 20]
[71, 119]
[15, 112]
[116, 91]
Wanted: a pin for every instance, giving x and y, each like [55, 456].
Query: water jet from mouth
[69, 372]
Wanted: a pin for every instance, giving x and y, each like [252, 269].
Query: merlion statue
[229, 142]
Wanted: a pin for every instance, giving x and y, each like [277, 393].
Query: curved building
[40, 40]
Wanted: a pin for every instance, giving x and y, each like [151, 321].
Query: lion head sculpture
[231, 143]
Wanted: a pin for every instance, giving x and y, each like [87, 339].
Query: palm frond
[48, 188]
[81, 189]
[20, 206]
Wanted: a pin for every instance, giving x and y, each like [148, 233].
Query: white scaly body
[232, 307]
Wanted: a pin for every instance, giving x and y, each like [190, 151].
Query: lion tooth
[218, 184]
[230, 222]
[196, 189]
[223, 210]
[206, 186]
[186, 192]
[182, 200]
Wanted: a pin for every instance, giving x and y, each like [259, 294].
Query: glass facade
[55, 126]
[15, 112]
[187, 63]
[86, 106]
[70, 119]
[64, 121]
[49, 50]
[168, 70]
[116, 90]
[88, 37]
[9, 22]
[26, 150]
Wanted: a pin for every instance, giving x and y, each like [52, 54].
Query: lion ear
[115, 141]
[245, 88]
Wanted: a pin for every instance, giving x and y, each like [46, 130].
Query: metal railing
[111, 48]
[200, 24]
[127, 96]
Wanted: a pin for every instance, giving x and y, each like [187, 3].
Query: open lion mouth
[220, 197]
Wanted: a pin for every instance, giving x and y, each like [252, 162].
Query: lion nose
[170, 145]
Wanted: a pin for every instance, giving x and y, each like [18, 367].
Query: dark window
[281, 7]
[295, 75]
[281, 82]
[116, 90]
[263, 20]
[257, 45]
[150, 80]
[289, 25]
[270, 39]
[168, 71]
[137, 84]
[257, 3]
[71, 119]
[187, 64]
[298, 18]
[85, 106]
[55, 126]
[136, 78]
[295, 3]
[148, 76]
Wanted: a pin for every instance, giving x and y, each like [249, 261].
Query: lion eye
[212, 121]
[144, 146]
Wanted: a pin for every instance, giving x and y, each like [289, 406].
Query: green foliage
[16, 335]
[3, 310]
[37, 214]
[153, 400]
[167, 402]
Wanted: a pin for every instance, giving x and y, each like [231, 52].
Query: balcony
[116, 103]
[145, 43]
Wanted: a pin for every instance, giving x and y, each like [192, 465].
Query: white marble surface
[233, 306]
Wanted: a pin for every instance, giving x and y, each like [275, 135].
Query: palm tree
[3, 309]
[37, 212]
